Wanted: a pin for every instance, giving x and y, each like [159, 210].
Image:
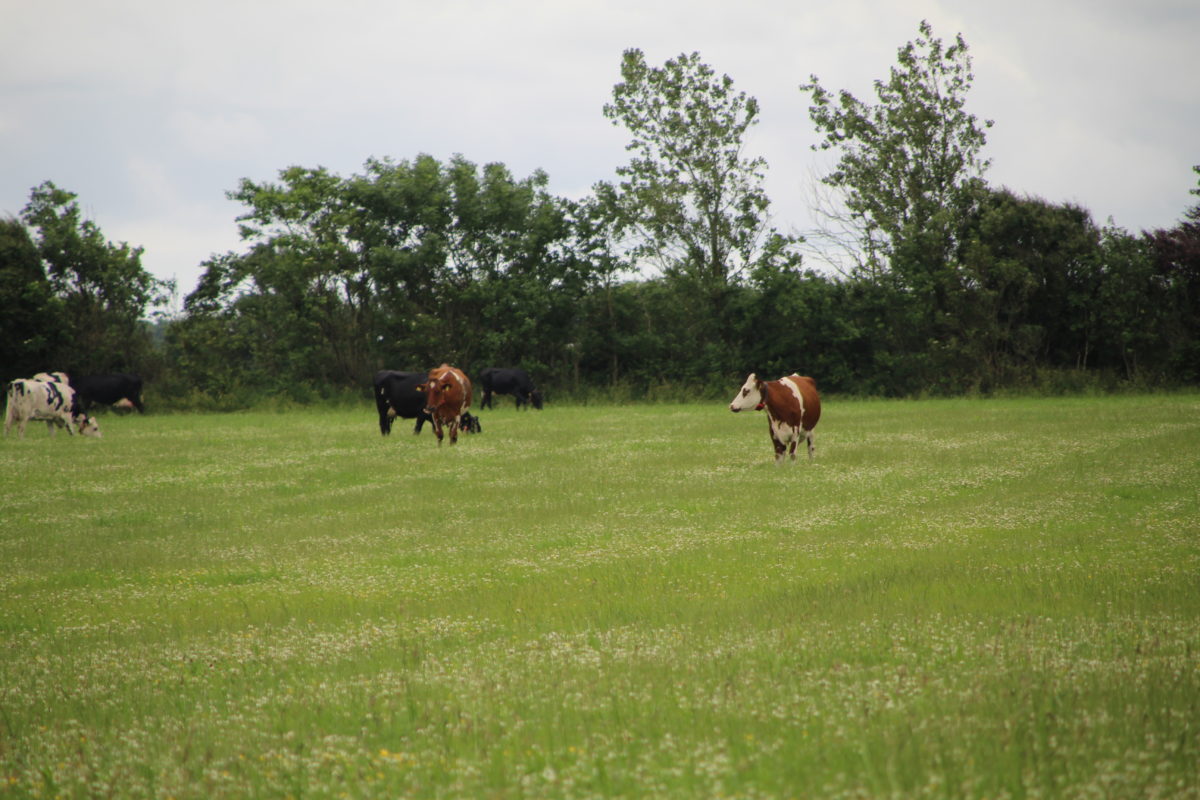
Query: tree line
[667, 280]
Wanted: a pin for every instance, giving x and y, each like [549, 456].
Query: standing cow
[108, 390]
[509, 380]
[399, 394]
[54, 402]
[447, 397]
[793, 408]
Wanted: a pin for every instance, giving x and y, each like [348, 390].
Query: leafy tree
[313, 279]
[102, 286]
[691, 198]
[601, 266]
[406, 265]
[907, 164]
[1028, 287]
[30, 338]
[1133, 306]
[1176, 254]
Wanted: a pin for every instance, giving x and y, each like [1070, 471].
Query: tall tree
[29, 340]
[1176, 252]
[1030, 273]
[103, 287]
[317, 276]
[406, 265]
[907, 163]
[691, 197]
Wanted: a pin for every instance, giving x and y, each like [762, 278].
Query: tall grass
[957, 599]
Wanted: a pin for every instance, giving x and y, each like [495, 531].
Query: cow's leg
[792, 447]
[385, 419]
[780, 447]
[777, 431]
[809, 436]
[487, 399]
[453, 431]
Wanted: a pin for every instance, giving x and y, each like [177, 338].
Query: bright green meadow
[957, 598]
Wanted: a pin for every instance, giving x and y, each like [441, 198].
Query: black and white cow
[509, 380]
[396, 395]
[52, 401]
[108, 390]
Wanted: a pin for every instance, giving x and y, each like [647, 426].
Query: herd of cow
[441, 396]
[63, 402]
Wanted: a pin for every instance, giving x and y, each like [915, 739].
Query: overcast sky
[151, 111]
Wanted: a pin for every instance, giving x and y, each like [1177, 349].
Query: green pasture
[957, 598]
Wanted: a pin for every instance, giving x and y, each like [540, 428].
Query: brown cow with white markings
[447, 397]
[793, 408]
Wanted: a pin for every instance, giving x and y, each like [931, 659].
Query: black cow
[509, 380]
[106, 390]
[469, 423]
[396, 395]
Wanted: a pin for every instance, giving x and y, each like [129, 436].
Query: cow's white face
[749, 396]
[88, 426]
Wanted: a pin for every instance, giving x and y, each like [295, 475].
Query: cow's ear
[422, 387]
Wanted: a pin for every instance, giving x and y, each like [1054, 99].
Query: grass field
[956, 599]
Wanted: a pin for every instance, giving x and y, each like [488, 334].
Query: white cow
[55, 377]
[51, 401]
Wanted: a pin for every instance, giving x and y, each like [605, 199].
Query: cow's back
[400, 389]
[810, 399]
[108, 389]
[506, 380]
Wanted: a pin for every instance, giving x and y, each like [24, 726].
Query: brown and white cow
[793, 408]
[447, 396]
[51, 401]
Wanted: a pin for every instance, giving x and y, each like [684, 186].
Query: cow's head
[535, 397]
[438, 389]
[749, 396]
[88, 426]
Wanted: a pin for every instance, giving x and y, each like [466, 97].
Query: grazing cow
[106, 390]
[447, 397]
[54, 402]
[509, 380]
[793, 408]
[398, 394]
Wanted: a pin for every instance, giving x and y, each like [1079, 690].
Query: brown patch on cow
[812, 400]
